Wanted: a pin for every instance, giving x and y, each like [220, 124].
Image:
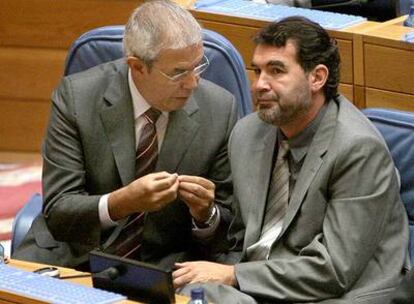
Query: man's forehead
[265, 54]
[183, 55]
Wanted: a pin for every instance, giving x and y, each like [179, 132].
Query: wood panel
[389, 68]
[241, 31]
[347, 90]
[389, 33]
[347, 70]
[34, 38]
[30, 73]
[56, 23]
[35, 35]
[240, 36]
[20, 157]
[387, 99]
[359, 96]
[26, 122]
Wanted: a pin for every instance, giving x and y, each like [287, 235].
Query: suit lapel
[312, 163]
[118, 120]
[260, 166]
[182, 127]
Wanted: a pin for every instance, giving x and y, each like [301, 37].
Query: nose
[261, 83]
[190, 81]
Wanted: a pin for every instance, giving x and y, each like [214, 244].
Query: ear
[318, 77]
[137, 66]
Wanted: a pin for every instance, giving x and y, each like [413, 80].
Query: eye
[177, 72]
[276, 70]
[256, 71]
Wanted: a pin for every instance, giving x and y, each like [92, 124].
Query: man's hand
[198, 194]
[202, 272]
[148, 193]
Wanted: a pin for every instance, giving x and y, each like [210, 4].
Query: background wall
[36, 34]
[34, 38]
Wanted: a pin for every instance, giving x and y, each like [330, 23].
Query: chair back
[403, 7]
[226, 65]
[397, 128]
[24, 219]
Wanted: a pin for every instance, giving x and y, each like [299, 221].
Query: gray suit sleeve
[220, 174]
[71, 214]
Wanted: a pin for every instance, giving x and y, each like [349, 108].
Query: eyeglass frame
[198, 70]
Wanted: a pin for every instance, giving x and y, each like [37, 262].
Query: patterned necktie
[277, 202]
[129, 239]
[147, 150]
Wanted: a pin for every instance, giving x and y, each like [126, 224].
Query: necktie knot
[283, 149]
[152, 115]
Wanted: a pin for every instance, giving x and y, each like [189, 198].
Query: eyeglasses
[200, 68]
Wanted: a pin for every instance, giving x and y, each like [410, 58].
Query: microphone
[110, 273]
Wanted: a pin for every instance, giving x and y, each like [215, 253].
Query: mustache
[267, 97]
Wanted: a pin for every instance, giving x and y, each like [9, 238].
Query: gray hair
[158, 25]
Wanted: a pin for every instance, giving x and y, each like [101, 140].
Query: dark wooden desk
[7, 298]
[241, 30]
[388, 65]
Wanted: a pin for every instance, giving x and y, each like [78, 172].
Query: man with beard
[316, 191]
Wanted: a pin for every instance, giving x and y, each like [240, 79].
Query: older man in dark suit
[138, 144]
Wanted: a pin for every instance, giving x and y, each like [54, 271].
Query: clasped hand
[154, 191]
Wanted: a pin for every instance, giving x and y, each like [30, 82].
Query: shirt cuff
[204, 233]
[104, 218]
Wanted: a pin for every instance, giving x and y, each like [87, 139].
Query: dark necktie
[276, 206]
[129, 239]
[147, 150]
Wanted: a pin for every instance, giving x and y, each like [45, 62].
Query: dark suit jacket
[89, 150]
[345, 233]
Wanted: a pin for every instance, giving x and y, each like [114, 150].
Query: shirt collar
[300, 143]
[139, 103]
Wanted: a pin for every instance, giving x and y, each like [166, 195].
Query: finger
[160, 175]
[180, 265]
[182, 280]
[202, 198]
[197, 180]
[164, 197]
[190, 199]
[193, 188]
[180, 272]
[197, 190]
[165, 182]
[176, 185]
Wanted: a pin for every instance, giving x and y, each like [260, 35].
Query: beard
[281, 113]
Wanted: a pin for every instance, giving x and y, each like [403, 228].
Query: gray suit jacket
[89, 150]
[404, 293]
[345, 233]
